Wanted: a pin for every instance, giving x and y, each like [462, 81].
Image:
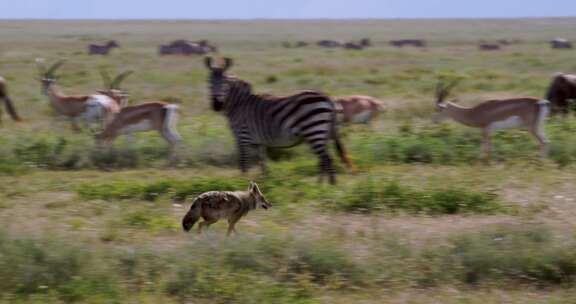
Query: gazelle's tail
[170, 121]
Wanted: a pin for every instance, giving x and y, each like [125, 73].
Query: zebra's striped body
[260, 121]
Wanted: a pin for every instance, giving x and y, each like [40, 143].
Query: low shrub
[369, 195]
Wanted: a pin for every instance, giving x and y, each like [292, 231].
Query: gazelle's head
[218, 82]
[258, 196]
[112, 86]
[442, 93]
[47, 75]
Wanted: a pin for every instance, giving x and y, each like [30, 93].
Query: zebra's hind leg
[326, 167]
[262, 156]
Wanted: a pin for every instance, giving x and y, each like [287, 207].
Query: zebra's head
[218, 82]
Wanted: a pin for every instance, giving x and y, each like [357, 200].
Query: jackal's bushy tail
[192, 216]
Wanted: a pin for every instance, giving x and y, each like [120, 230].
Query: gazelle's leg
[486, 143]
[173, 140]
[75, 127]
[538, 132]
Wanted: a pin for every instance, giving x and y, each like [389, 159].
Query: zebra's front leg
[243, 156]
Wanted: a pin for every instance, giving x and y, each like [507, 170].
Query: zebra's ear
[227, 63]
[208, 62]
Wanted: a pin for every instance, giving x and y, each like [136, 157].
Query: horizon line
[291, 18]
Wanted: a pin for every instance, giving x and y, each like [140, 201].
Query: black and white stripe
[260, 121]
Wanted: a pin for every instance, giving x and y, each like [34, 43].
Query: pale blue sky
[247, 9]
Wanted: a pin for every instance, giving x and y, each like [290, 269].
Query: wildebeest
[297, 44]
[96, 49]
[561, 92]
[185, 47]
[365, 42]
[561, 43]
[489, 46]
[353, 46]
[216, 205]
[7, 102]
[330, 43]
[357, 108]
[408, 42]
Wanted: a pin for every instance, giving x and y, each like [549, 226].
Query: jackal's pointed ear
[253, 187]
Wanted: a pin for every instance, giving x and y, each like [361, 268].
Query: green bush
[29, 267]
[369, 195]
[178, 189]
[519, 253]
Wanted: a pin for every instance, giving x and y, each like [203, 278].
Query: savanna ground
[424, 220]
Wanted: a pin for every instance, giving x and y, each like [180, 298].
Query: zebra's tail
[342, 152]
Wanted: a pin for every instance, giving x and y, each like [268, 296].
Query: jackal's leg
[232, 225]
[206, 223]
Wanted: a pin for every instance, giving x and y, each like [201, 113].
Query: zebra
[260, 121]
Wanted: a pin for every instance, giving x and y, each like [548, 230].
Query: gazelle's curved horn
[105, 78]
[40, 65]
[55, 66]
[451, 86]
[118, 80]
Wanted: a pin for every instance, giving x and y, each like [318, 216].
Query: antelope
[149, 116]
[112, 87]
[96, 49]
[7, 102]
[522, 112]
[561, 92]
[357, 108]
[96, 108]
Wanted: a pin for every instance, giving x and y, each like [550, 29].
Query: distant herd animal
[261, 121]
[185, 47]
[97, 49]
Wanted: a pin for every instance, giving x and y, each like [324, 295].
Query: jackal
[215, 205]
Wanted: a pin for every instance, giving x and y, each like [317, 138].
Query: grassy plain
[424, 221]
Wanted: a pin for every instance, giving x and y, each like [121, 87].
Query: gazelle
[357, 108]
[7, 101]
[96, 108]
[112, 87]
[150, 116]
[523, 112]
